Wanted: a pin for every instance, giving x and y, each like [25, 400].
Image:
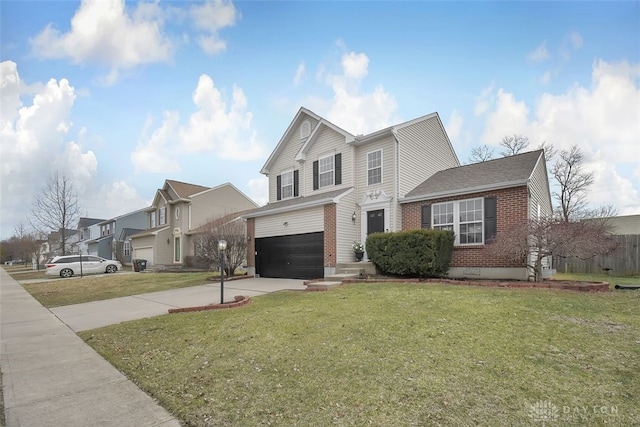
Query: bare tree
[573, 181]
[513, 144]
[24, 242]
[229, 227]
[481, 154]
[56, 207]
[550, 151]
[531, 242]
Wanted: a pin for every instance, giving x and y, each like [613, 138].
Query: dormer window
[305, 130]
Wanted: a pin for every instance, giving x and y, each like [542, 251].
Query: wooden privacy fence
[625, 261]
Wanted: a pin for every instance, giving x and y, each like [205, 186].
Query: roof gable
[492, 174]
[299, 117]
[301, 155]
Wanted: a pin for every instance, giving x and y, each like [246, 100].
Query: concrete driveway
[81, 317]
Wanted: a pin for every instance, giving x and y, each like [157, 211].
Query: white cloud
[210, 17]
[156, 153]
[227, 129]
[576, 40]
[34, 143]
[540, 53]
[601, 119]
[454, 125]
[545, 78]
[354, 111]
[301, 72]
[259, 190]
[116, 199]
[484, 101]
[104, 32]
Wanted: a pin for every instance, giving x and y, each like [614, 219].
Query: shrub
[416, 253]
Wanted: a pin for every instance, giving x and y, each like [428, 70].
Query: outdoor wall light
[353, 217]
[286, 223]
[168, 241]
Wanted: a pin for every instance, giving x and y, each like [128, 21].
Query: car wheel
[111, 269]
[66, 273]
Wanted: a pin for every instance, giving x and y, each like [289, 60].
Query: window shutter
[338, 168]
[490, 218]
[296, 185]
[426, 216]
[315, 175]
[279, 187]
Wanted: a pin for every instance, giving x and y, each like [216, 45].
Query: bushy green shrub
[415, 253]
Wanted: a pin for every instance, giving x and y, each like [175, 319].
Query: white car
[69, 265]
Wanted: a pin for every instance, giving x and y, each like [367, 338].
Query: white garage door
[144, 253]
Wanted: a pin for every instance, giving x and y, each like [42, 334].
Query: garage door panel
[299, 256]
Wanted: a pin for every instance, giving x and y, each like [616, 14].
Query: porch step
[353, 270]
[339, 277]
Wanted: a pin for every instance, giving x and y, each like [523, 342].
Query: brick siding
[330, 235]
[512, 209]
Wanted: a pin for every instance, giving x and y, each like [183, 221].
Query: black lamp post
[222, 246]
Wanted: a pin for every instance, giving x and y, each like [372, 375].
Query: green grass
[59, 292]
[390, 354]
[613, 280]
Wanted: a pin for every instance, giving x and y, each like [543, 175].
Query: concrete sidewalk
[52, 378]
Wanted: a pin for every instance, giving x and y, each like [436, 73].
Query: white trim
[456, 220]
[293, 184]
[331, 156]
[319, 202]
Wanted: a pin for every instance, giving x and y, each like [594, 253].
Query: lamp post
[222, 246]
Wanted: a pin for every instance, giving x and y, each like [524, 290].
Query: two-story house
[88, 229]
[108, 243]
[329, 188]
[176, 216]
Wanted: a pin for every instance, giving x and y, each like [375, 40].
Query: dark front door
[375, 221]
[299, 256]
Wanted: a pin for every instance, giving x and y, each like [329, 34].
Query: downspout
[397, 189]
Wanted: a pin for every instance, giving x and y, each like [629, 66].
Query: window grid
[325, 171]
[287, 184]
[163, 216]
[152, 220]
[464, 218]
[374, 167]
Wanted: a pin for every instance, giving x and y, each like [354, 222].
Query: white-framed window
[463, 217]
[305, 130]
[163, 215]
[325, 171]
[152, 219]
[374, 167]
[286, 184]
[126, 247]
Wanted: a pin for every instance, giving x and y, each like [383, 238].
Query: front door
[375, 221]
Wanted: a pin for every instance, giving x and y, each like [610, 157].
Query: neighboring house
[329, 188]
[53, 245]
[177, 211]
[107, 243]
[88, 229]
[476, 202]
[624, 225]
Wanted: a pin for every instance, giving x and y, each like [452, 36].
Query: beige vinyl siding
[163, 252]
[302, 221]
[346, 230]
[329, 142]
[423, 150]
[539, 192]
[387, 145]
[215, 203]
[286, 157]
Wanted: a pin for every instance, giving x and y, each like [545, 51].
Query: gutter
[284, 209]
[462, 191]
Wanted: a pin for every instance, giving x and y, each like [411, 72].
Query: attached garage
[143, 253]
[298, 256]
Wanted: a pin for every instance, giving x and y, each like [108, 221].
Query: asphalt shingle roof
[517, 168]
[292, 203]
[184, 189]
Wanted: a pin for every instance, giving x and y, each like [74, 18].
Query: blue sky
[125, 95]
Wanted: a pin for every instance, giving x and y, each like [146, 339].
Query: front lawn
[392, 354]
[59, 292]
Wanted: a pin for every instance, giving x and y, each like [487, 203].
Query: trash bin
[134, 263]
[142, 264]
